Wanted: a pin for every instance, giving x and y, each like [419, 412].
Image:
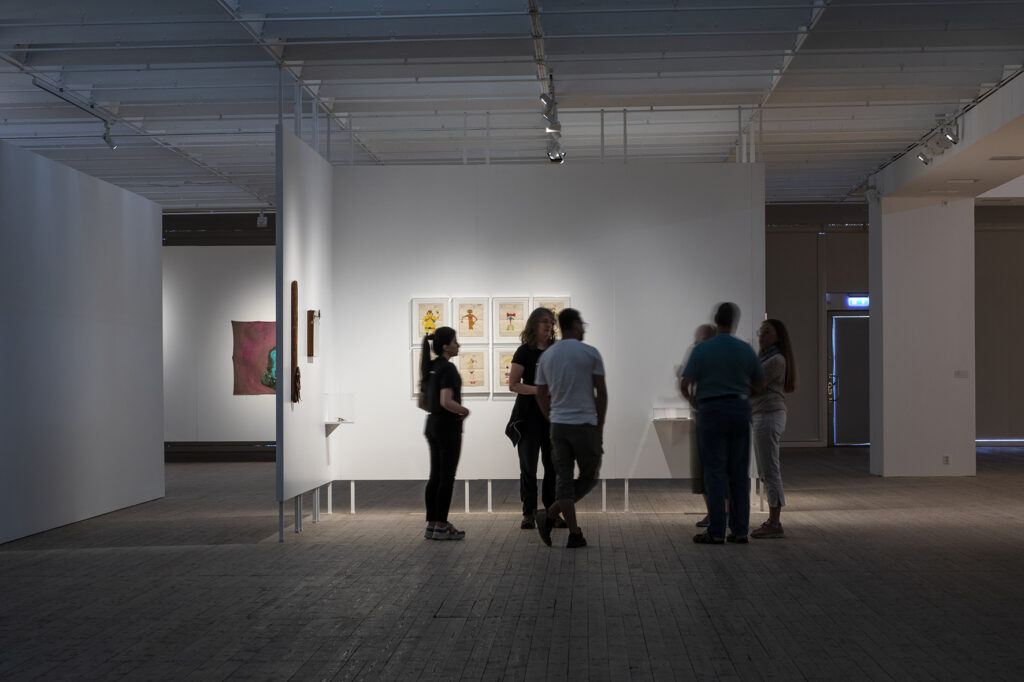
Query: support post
[604, 495]
[298, 513]
[316, 126]
[625, 140]
[352, 497]
[467, 496]
[489, 507]
[316, 505]
[625, 490]
[330, 497]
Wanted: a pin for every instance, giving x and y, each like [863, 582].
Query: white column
[921, 257]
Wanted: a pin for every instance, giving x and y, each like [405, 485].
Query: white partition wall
[205, 288]
[644, 250]
[922, 337]
[303, 255]
[82, 417]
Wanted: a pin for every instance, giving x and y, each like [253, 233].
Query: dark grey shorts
[576, 445]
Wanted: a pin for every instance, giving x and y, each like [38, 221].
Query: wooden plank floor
[878, 579]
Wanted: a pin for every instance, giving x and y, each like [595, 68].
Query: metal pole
[604, 495]
[316, 505]
[330, 120]
[739, 132]
[330, 497]
[489, 508]
[316, 125]
[280, 98]
[352, 497]
[625, 145]
[298, 513]
[467, 496]
[625, 489]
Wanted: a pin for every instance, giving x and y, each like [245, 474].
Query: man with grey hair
[572, 394]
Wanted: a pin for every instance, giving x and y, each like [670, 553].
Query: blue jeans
[723, 432]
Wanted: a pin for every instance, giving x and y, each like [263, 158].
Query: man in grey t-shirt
[571, 392]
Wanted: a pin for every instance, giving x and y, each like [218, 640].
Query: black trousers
[444, 435]
[536, 437]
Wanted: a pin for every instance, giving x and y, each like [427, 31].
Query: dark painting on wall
[255, 357]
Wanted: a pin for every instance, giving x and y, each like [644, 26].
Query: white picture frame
[473, 363]
[427, 314]
[502, 361]
[415, 352]
[555, 304]
[471, 318]
[509, 317]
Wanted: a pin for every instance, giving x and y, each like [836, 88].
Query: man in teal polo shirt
[719, 376]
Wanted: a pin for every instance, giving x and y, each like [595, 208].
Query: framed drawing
[427, 315]
[555, 304]
[415, 373]
[509, 317]
[502, 366]
[472, 364]
[473, 317]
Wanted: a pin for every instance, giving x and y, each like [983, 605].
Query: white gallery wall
[922, 337]
[645, 251]
[204, 289]
[303, 252]
[82, 417]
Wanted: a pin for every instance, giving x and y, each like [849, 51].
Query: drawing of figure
[511, 317]
[430, 322]
[470, 318]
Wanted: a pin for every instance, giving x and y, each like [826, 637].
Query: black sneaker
[543, 527]
[576, 540]
[738, 539]
[527, 523]
[705, 522]
[706, 539]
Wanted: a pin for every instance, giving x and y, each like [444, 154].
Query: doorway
[848, 386]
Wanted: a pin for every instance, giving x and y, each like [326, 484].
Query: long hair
[529, 335]
[441, 337]
[786, 351]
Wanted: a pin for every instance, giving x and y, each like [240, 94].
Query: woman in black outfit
[441, 396]
[529, 429]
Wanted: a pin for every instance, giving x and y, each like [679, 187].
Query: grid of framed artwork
[488, 330]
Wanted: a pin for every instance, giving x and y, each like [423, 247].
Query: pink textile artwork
[255, 357]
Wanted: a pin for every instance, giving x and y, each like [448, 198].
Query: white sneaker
[448, 532]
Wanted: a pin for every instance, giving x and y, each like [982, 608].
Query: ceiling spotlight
[106, 136]
[924, 158]
[556, 153]
[261, 220]
[546, 99]
[553, 127]
[950, 134]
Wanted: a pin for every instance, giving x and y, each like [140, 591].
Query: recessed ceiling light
[947, 192]
[1008, 157]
